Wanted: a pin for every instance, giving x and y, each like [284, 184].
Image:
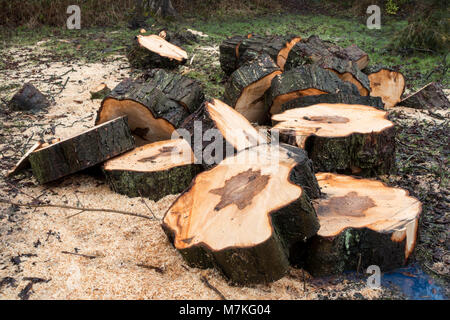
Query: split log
[151, 114]
[387, 84]
[100, 92]
[28, 98]
[341, 138]
[186, 91]
[362, 222]
[154, 52]
[304, 81]
[82, 151]
[355, 54]
[247, 85]
[216, 131]
[210, 222]
[307, 101]
[429, 97]
[24, 162]
[154, 170]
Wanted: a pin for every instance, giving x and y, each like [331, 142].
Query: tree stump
[28, 98]
[304, 81]
[341, 138]
[81, 151]
[216, 131]
[209, 223]
[100, 92]
[246, 87]
[154, 170]
[307, 101]
[387, 84]
[362, 222]
[429, 97]
[152, 51]
[152, 115]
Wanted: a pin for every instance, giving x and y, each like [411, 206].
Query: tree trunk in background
[163, 8]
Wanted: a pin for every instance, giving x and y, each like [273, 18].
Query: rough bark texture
[153, 185]
[364, 154]
[249, 73]
[181, 89]
[82, 151]
[333, 98]
[429, 97]
[28, 98]
[347, 71]
[300, 81]
[100, 92]
[357, 55]
[148, 95]
[351, 249]
[260, 262]
[229, 51]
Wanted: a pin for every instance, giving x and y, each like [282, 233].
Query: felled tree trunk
[387, 84]
[152, 51]
[308, 80]
[429, 97]
[154, 170]
[216, 131]
[362, 222]
[81, 151]
[307, 101]
[209, 223]
[152, 115]
[341, 138]
[237, 50]
[247, 85]
[28, 98]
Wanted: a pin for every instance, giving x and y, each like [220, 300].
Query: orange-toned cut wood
[362, 220]
[387, 84]
[160, 46]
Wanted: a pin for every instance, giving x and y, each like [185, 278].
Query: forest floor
[59, 254]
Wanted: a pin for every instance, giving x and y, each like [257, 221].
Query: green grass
[97, 44]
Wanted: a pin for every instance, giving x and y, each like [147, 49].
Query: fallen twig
[75, 208]
[79, 254]
[210, 286]
[146, 266]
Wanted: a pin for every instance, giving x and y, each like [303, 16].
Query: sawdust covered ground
[66, 254]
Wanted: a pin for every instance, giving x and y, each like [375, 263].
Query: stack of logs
[248, 206]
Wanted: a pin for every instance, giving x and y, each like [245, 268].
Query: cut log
[362, 222]
[307, 101]
[387, 84]
[429, 97]
[276, 47]
[154, 170]
[82, 151]
[304, 81]
[24, 162]
[216, 131]
[348, 71]
[210, 222]
[151, 114]
[100, 92]
[28, 98]
[355, 54]
[247, 85]
[229, 53]
[341, 138]
[154, 52]
[186, 91]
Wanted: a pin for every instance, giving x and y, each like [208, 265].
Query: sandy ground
[34, 242]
